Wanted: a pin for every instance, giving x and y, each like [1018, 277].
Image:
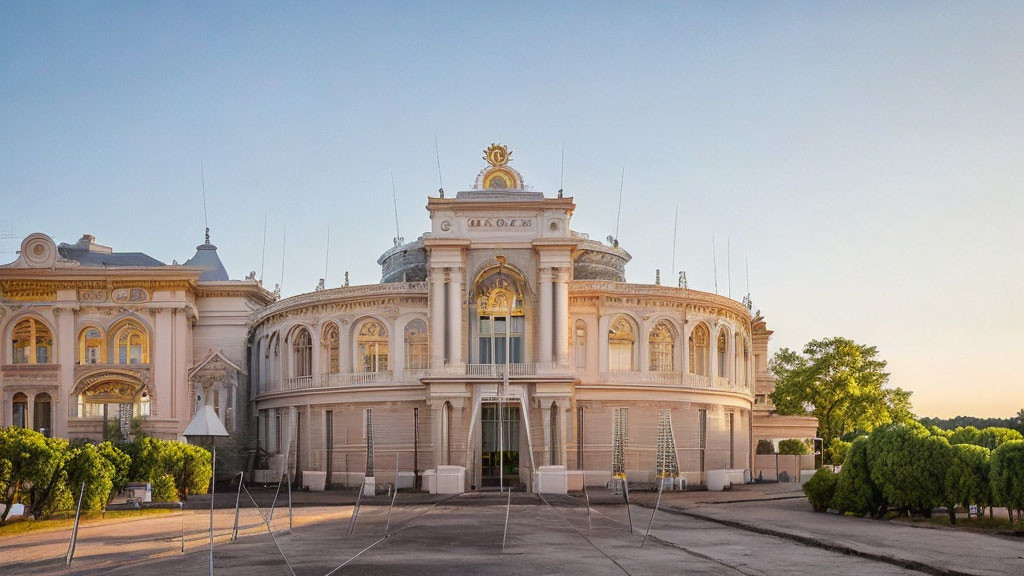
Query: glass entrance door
[491, 454]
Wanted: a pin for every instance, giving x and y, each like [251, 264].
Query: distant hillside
[1016, 422]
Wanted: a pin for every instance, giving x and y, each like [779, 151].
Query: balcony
[498, 370]
[676, 379]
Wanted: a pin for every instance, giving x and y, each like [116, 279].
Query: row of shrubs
[912, 469]
[989, 438]
[45, 474]
[790, 446]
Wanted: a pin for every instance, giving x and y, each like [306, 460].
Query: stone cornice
[371, 294]
[478, 204]
[603, 292]
[242, 288]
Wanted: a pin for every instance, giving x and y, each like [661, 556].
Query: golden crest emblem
[497, 154]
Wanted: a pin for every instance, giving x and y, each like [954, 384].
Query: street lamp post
[205, 424]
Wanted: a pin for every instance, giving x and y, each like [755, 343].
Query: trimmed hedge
[793, 446]
[765, 447]
[820, 489]
[837, 451]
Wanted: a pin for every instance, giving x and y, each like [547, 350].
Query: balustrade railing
[498, 370]
[681, 379]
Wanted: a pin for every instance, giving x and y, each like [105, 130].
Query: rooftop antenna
[206, 221]
[675, 229]
[284, 243]
[714, 261]
[437, 155]
[618, 214]
[728, 262]
[746, 299]
[327, 255]
[561, 176]
[263, 257]
[394, 198]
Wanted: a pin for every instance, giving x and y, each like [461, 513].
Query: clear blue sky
[867, 159]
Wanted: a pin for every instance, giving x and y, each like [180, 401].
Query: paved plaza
[745, 532]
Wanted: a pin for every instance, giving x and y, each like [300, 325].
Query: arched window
[31, 342]
[330, 342]
[19, 410]
[581, 344]
[662, 347]
[621, 345]
[132, 344]
[372, 347]
[746, 363]
[737, 359]
[42, 415]
[302, 353]
[500, 314]
[416, 345]
[721, 348]
[699, 340]
[92, 348]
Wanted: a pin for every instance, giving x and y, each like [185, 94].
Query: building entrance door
[492, 460]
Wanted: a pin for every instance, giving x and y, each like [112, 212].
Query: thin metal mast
[746, 266]
[675, 229]
[327, 255]
[284, 244]
[561, 174]
[714, 261]
[394, 199]
[618, 214]
[206, 221]
[263, 254]
[437, 155]
[728, 262]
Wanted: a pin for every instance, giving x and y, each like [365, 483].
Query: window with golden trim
[621, 345]
[92, 347]
[722, 348]
[302, 353]
[372, 347]
[699, 350]
[662, 348]
[330, 342]
[132, 344]
[31, 342]
[416, 345]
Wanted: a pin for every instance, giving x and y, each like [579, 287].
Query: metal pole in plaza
[74, 529]
[661, 488]
[206, 424]
[355, 509]
[181, 506]
[234, 531]
[394, 495]
[625, 492]
[289, 500]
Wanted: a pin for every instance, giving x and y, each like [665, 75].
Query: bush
[122, 466]
[965, 435]
[967, 479]
[820, 489]
[908, 465]
[765, 447]
[993, 438]
[855, 492]
[793, 446]
[837, 450]
[88, 465]
[1007, 475]
[164, 489]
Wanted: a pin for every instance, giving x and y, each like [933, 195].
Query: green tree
[1007, 476]
[967, 479]
[844, 384]
[820, 489]
[908, 465]
[122, 466]
[793, 446]
[837, 451]
[855, 492]
[87, 464]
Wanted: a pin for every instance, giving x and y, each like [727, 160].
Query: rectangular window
[702, 434]
[581, 348]
[732, 440]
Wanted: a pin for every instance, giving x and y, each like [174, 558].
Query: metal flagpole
[213, 495]
[74, 529]
[234, 531]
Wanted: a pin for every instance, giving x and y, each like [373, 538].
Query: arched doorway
[42, 414]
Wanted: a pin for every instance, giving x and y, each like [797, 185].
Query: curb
[808, 541]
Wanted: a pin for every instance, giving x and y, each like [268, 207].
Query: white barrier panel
[315, 481]
[551, 480]
[450, 480]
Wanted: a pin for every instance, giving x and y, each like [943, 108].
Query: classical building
[498, 344]
[93, 335]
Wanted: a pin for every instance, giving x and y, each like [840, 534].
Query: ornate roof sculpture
[499, 175]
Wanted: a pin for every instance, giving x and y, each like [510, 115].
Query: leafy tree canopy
[843, 383]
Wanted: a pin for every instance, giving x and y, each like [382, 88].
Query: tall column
[562, 317]
[436, 318]
[455, 316]
[545, 416]
[546, 316]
